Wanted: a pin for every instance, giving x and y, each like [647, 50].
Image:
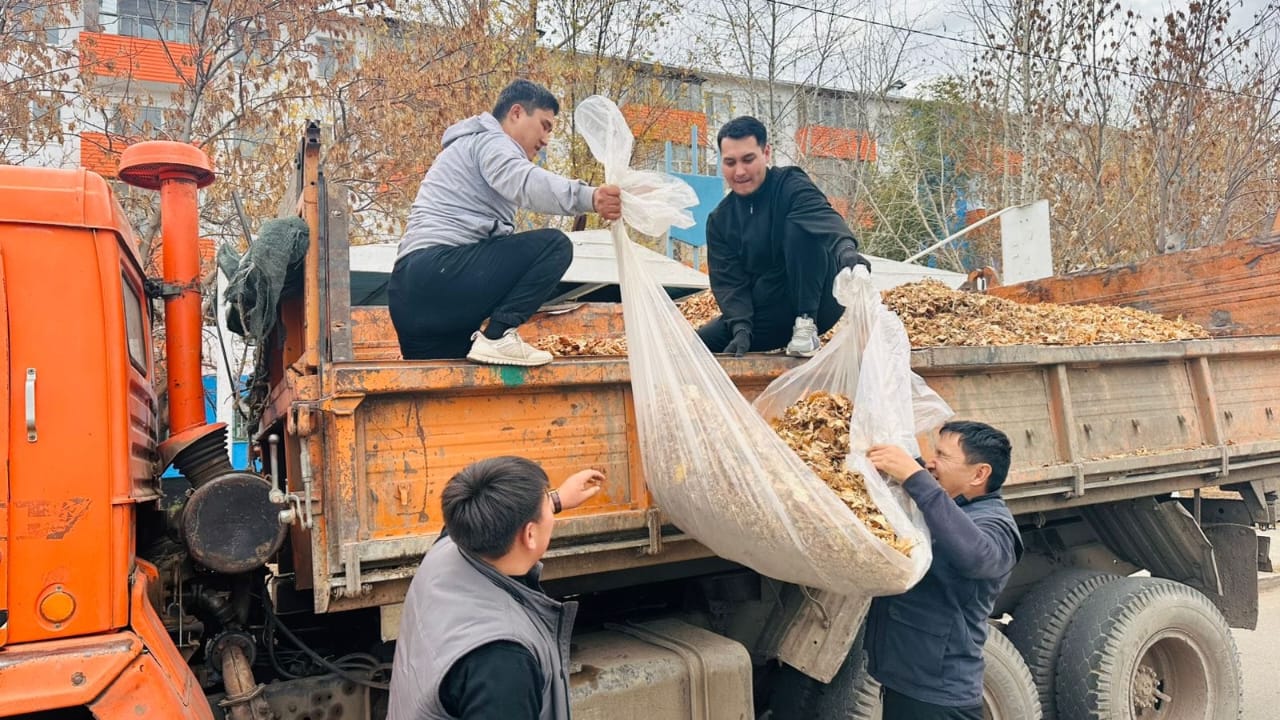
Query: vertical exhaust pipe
[177, 171]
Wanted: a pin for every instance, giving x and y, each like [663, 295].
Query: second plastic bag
[711, 459]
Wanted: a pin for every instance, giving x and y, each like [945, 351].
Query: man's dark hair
[488, 502]
[741, 127]
[528, 95]
[982, 443]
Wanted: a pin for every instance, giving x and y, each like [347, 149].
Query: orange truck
[276, 593]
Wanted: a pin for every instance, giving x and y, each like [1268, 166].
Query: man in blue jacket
[461, 260]
[925, 646]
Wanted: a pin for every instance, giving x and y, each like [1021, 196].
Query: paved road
[1260, 649]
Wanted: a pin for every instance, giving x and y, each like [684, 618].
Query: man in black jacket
[774, 246]
[478, 638]
[925, 646]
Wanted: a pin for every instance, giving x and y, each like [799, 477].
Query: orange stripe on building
[100, 152]
[832, 142]
[655, 124]
[208, 254]
[137, 58]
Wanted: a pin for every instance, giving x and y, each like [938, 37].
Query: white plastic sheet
[715, 466]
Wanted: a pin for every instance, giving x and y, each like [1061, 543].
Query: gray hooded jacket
[473, 188]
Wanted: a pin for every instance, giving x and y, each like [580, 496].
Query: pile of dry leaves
[581, 345]
[935, 315]
[817, 429]
[699, 309]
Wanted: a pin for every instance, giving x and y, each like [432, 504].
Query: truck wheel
[851, 695]
[1008, 692]
[1145, 647]
[1040, 621]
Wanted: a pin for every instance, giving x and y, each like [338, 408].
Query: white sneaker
[509, 349]
[804, 338]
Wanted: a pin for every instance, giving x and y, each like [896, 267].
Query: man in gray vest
[478, 638]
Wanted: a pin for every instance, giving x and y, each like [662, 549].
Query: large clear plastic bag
[713, 463]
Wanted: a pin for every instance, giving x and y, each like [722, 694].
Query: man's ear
[982, 473]
[516, 112]
[527, 538]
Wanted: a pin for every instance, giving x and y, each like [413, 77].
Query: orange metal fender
[62, 673]
[122, 675]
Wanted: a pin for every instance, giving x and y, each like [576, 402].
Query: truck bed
[1229, 288]
[1088, 425]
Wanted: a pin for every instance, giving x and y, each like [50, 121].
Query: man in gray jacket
[478, 638]
[461, 261]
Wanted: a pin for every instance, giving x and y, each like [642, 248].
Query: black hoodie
[745, 237]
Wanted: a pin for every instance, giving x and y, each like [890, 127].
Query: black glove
[847, 256]
[740, 343]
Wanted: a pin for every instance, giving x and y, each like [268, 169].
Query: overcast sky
[932, 57]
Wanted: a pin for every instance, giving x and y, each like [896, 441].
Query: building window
[681, 158]
[146, 122]
[682, 94]
[332, 57]
[26, 19]
[168, 20]
[719, 110]
[239, 422]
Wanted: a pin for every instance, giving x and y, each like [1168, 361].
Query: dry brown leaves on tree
[817, 429]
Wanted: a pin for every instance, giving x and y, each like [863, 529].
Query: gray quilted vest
[457, 603]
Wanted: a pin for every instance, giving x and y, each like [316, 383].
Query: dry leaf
[817, 429]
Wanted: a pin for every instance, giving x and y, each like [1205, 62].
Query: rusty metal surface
[1236, 549]
[1088, 425]
[311, 698]
[230, 525]
[1162, 537]
[1229, 288]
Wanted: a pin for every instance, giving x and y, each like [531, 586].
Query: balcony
[833, 142]
[657, 124]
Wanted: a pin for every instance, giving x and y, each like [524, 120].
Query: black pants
[439, 296]
[773, 299]
[897, 706]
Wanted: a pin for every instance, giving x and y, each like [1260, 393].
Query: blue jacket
[927, 642]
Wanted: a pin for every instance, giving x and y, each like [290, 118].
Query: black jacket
[927, 642]
[746, 237]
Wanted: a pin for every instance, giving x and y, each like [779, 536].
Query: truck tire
[851, 695]
[1008, 691]
[1140, 644]
[1040, 621]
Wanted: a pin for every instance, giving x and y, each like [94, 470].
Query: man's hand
[849, 257]
[893, 461]
[739, 345]
[607, 202]
[579, 488]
